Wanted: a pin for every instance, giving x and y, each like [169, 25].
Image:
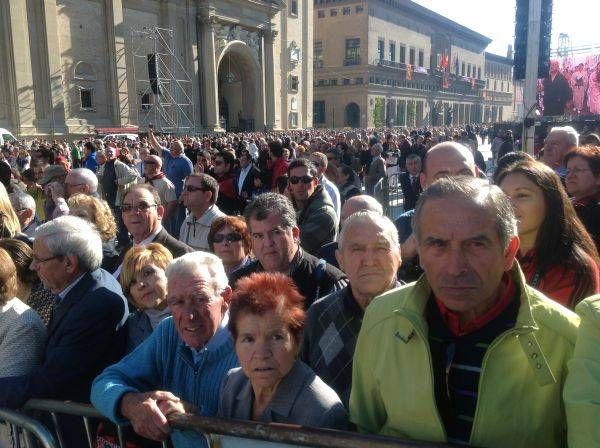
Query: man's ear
[510, 253]
[338, 257]
[160, 210]
[423, 180]
[296, 233]
[226, 294]
[71, 264]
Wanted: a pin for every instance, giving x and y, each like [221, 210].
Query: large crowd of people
[255, 276]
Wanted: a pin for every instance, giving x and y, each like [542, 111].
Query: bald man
[447, 159]
[351, 206]
[176, 168]
[154, 175]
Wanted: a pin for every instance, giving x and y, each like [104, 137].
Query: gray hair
[71, 235]
[22, 201]
[383, 222]
[477, 191]
[86, 176]
[571, 135]
[265, 204]
[191, 263]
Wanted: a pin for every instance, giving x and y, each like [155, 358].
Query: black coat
[410, 193]
[304, 276]
[176, 247]
[557, 94]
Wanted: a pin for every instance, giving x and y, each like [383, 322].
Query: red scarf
[452, 318]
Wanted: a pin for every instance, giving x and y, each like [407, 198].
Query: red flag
[445, 61]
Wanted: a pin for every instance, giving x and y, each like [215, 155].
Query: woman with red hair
[266, 320]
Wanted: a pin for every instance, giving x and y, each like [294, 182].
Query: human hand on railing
[145, 415]
[168, 407]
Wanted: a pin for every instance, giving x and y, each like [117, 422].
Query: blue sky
[496, 19]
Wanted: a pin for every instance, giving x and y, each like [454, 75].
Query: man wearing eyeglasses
[316, 216]
[200, 194]
[85, 333]
[142, 214]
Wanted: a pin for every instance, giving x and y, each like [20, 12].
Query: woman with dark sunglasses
[229, 240]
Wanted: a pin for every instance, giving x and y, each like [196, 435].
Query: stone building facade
[72, 66]
[499, 91]
[394, 63]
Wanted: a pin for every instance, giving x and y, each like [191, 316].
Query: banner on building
[572, 86]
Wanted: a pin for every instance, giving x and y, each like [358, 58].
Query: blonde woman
[144, 284]
[9, 221]
[98, 213]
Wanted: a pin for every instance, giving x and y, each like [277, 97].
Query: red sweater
[559, 281]
[279, 168]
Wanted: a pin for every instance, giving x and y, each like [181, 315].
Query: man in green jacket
[469, 353]
[582, 389]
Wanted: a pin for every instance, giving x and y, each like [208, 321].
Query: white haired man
[369, 254]
[163, 374]
[25, 207]
[85, 333]
[558, 143]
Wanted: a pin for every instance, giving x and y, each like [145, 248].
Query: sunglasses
[219, 162]
[233, 237]
[192, 189]
[306, 179]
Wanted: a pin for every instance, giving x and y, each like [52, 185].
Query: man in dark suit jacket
[410, 182]
[245, 178]
[85, 332]
[557, 91]
[142, 215]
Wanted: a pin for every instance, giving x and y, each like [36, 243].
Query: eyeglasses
[192, 188]
[233, 237]
[306, 179]
[219, 162]
[141, 207]
[576, 170]
[43, 260]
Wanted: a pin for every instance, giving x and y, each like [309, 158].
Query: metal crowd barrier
[219, 432]
[389, 194]
[24, 428]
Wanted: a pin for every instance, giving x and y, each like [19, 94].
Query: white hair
[71, 235]
[570, 133]
[22, 201]
[86, 176]
[191, 263]
[383, 222]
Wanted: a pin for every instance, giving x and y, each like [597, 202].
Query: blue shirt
[165, 362]
[91, 163]
[176, 169]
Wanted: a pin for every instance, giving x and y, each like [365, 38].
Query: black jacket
[176, 247]
[409, 191]
[311, 284]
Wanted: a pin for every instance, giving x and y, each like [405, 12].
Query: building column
[20, 97]
[269, 57]
[116, 47]
[57, 122]
[210, 86]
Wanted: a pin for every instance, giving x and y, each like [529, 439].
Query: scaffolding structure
[167, 100]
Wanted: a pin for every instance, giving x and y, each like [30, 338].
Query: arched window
[84, 72]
